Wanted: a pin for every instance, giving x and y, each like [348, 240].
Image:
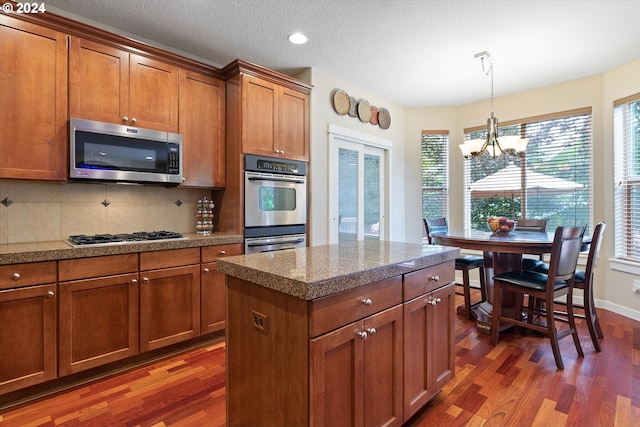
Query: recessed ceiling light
[298, 38]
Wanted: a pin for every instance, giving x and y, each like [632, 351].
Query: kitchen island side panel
[267, 357]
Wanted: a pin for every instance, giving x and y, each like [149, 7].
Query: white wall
[322, 114]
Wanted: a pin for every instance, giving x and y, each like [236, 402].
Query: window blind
[626, 139]
[552, 179]
[435, 174]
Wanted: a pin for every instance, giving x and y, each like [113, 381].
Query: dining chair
[565, 250]
[584, 280]
[532, 225]
[464, 264]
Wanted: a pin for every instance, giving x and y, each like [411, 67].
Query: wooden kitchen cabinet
[33, 104]
[98, 314]
[429, 361]
[169, 297]
[201, 107]
[356, 373]
[213, 289]
[28, 302]
[274, 120]
[285, 352]
[111, 85]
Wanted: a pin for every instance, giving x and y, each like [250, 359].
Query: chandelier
[494, 145]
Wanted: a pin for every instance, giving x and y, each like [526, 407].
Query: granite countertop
[318, 271]
[16, 253]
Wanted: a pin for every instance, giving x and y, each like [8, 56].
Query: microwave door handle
[295, 181]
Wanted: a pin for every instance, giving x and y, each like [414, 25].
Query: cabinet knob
[434, 301]
[365, 301]
[206, 270]
[125, 119]
[361, 334]
[145, 279]
[434, 278]
[223, 252]
[133, 120]
[51, 294]
[16, 276]
[371, 331]
[134, 281]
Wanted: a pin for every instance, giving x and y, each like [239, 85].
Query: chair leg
[572, 324]
[595, 331]
[467, 293]
[553, 335]
[496, 313]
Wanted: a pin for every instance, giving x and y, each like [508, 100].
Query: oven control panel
[274, 165]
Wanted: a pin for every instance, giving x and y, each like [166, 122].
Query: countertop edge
[310, 290]
[18, 253]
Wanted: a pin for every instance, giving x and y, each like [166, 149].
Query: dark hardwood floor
[513, 384]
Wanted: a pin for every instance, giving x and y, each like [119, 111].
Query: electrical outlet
[260, 321]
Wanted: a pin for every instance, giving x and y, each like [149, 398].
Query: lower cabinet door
[356, 373]
[429, 362]
[442, 336]
[27, 336]
[169, 306]
[213, 296]
[98, 321]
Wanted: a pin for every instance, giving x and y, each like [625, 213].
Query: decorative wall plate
[341, 102]
[364, 111]
[353, 106]
[384, 119]
[374, 115]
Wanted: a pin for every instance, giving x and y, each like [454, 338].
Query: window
[626, 139]
[551, 180]
[435, 175]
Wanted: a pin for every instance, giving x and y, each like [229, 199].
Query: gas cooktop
[119, 239]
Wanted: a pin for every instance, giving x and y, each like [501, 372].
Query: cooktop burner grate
[138, 236]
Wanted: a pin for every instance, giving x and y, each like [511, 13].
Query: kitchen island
[350, 334]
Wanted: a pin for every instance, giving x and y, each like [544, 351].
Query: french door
[357, 191]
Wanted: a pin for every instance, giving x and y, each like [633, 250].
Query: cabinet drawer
[171, 258]
[212, 253]
[430, 278]
[337, 310]
[32, 273]
[84, 268]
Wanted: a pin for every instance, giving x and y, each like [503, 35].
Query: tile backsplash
[48, 212]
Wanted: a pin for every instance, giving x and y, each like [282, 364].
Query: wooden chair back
[436, 225]
[594, 252]
[567, 244]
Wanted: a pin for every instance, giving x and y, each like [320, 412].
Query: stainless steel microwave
[107, 152]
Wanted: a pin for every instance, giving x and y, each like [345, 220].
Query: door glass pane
[372, 196]
[347, 195]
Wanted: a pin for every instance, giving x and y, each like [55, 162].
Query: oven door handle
[279, 242]
[294, 181]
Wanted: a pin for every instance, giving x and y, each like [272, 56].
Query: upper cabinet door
[202, 128]
[153, 101]
[293, 124]
[110, 85]
[259, 116]
[33, 104]
[98, 82]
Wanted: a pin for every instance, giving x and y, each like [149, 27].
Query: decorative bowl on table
[501, 224]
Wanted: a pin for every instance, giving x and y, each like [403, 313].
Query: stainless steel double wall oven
[275, 207]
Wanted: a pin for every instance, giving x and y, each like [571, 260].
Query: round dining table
[502, 252]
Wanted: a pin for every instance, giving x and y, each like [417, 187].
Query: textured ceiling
[415, 53]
